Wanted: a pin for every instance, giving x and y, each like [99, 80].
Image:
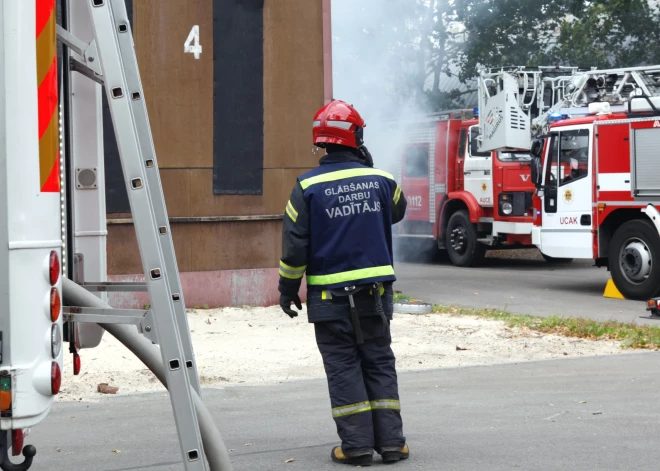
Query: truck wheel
[634, 260]
[550, 259]
[462, 246]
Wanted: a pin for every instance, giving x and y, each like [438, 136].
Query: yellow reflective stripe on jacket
[353, 275]
[386, 404]
[325, 295]
[291, 211]
[397, 194]
[351, 409]
[342, 174]
[293, 273]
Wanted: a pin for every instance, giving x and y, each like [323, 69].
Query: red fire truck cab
[598, 195]
[466, 201]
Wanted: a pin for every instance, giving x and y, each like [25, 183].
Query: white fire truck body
[30, 227]
[602, 206]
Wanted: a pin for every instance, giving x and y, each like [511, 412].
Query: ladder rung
[118, 286]
[103, 316]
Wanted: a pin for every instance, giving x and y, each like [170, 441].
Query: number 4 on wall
[192, 42]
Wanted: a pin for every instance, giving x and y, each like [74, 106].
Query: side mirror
[537, 148]
[474, 144]
[537, 170]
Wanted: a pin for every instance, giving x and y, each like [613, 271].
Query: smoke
[373, 59]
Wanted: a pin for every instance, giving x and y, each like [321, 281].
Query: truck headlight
[507, 208]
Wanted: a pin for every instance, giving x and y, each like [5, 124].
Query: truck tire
[550, 259]
[634, 260]
[462, 246]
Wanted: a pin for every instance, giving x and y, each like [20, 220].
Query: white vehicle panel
[31, 225]
[566, 220]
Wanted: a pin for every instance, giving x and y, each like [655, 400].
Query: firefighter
[337, 230]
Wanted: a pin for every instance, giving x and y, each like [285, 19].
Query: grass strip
[630, 335]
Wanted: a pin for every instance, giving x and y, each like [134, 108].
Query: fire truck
[465, 199]
[595, 166]
[52, 221]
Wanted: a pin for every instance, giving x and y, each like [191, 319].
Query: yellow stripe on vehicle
[353, 275]
[343, 174]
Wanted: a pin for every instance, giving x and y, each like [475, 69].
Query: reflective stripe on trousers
[362, 382]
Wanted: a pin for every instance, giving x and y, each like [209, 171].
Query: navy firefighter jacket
[338, 226]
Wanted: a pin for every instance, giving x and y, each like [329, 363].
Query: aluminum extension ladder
[110, 60]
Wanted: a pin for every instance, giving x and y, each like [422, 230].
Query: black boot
[396, 455]
[338, 456]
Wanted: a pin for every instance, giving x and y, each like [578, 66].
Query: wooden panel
[176, 187]
[277, 188]
[203, 246]
[178, 88]
[293, 81]
[278, 184]
[124, 256]
[204, 203]
[236, 245]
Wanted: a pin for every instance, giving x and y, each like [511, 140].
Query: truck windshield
[417, 161]
[514, 156]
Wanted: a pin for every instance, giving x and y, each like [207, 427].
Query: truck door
[568, 195]
[415, 181]
[477, 171]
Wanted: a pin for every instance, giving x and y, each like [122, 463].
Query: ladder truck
[595, 165]
[465, 200]
[52, 222]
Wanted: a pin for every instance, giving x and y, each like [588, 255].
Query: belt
[355, 318]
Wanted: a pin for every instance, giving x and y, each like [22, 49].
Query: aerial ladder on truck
[593, 136]
[517, 104]
[51, 155]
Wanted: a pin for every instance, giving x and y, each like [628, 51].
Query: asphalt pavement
[598, 413]
[521, 286]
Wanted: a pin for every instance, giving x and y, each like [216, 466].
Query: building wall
[222, 232]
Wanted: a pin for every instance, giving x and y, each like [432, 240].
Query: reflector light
[5, 393]
[651, 304]
[76, 364]
[17, 439]
[55, 378]
[55, 304]
[55, 340]
[54, 266]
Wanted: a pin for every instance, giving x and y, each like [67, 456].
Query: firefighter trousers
[362, 382]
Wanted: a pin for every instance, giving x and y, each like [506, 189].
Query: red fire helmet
[338, 123]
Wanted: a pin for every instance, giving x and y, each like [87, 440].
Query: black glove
[365, 156]
[285, 304]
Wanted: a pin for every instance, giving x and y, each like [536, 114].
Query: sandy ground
[263, 345]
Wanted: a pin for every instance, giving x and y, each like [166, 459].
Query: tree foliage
[413, 50]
